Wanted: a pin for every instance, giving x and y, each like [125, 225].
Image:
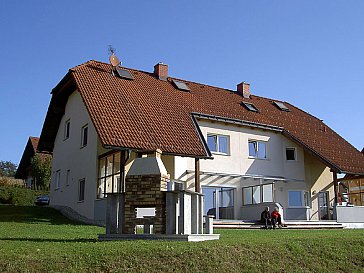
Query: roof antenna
[114, 61]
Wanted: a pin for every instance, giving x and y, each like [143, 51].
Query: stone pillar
[114, 213]
[209, 227]
[171, 212]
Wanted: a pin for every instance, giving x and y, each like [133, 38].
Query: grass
[34, 239]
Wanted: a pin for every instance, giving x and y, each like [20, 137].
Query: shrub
[16, 195]
[9, 181]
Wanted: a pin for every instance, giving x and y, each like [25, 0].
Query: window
[68, 177]
[81, 189]
[67, 126]
[258, 194]
[291, 154]
[124, 74]
[258, 149]
[84, 132]
[267, 193]
[181, 86]
[218, 143]
[109, 175]
[249, 106]
[298, 199]
[58, 179]
[281, 106]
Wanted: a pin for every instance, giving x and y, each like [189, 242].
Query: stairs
[240, 224]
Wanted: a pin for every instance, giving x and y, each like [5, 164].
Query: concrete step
[224, 224]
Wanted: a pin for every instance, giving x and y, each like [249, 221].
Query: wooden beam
[122, 171]
[197, 175]
[334, 174]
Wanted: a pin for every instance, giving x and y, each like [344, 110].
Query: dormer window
[181, 86]
[249, 106]
[124, 74]
[281, 106]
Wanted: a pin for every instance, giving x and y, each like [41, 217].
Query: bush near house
[17, 195]
[39, 239]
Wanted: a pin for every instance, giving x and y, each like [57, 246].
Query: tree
[7, 168]
[41, 170]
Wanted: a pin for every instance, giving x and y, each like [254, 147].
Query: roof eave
[327, 162]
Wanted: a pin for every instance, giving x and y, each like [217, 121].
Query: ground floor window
[109, 175]
[81, 189]
[298, 198]
[258, 194]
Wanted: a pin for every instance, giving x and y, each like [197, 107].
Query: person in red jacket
[276, 218]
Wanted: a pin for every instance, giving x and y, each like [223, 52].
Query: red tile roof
[29, 151]
[147, 113]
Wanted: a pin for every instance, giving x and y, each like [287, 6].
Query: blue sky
[309, 53]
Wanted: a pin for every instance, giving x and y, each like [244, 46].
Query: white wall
[238, 161]
[82, 162]
[298, 174]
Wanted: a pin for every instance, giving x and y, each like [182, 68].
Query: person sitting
[265, 218]
[276, 218]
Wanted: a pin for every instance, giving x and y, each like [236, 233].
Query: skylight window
[181, 86]
[281, 106]
[249, 106]
[124, 74]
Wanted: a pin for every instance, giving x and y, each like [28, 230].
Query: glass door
[323, 200]
[219, 202]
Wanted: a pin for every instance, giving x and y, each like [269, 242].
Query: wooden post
[334, 174]
[122, 171]
[197, 175]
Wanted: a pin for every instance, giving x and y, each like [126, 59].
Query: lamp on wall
[314, 193]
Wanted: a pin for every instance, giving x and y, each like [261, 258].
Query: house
[242, 151]
[24, 170]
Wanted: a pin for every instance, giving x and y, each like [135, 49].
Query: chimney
[161, 71]
[244, 89]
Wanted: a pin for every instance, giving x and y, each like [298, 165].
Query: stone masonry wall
[145, 191]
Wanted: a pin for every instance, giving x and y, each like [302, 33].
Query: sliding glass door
[219, 202]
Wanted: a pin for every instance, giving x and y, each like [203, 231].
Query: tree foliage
[7, 168]
[41, 170]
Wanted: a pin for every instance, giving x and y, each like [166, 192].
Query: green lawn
[34, 239]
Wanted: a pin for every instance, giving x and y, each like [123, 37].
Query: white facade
[233, 170]
[73, 161]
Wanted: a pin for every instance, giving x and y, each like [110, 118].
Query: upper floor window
[218, 143]
[258, 149]
[67, 126]
[84, 132]
[291, 154]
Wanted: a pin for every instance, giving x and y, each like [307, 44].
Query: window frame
[294, 153]
[68, 172]
[58, 179]
[303, 194]
[250, 106]
[218, 136]
[67, 129]
[84, 140]
[81, 194]
[261, 194]
[102, 178]
[257, 149]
